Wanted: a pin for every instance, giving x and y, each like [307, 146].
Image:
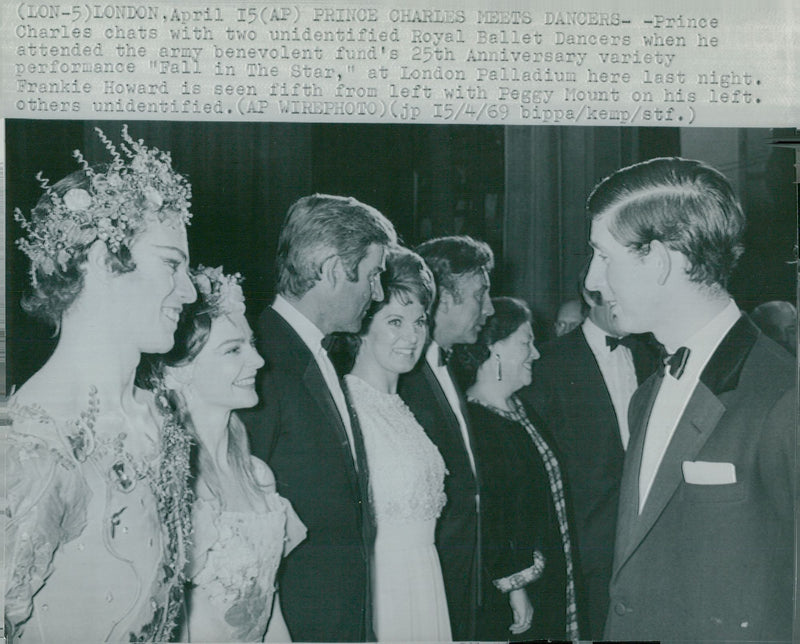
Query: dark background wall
[521, 189]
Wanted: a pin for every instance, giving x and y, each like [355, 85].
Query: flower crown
[221, 293]
[113, 208]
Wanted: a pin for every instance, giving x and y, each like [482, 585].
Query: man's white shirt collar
[704, 342]
[308, 331]
[595, 335]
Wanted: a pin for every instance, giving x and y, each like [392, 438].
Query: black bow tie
[444, 356]
[613, 342]
[676, 362]
[328, 342]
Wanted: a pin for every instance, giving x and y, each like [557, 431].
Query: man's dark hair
[687, 205]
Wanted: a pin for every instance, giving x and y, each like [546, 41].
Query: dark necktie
[675, 362]
[444, 356]
[613, 342]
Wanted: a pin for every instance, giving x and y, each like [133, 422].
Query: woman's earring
[499, 367]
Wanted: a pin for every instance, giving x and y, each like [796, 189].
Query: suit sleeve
[777, 458]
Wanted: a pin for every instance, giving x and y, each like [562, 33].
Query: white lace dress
[406, 474]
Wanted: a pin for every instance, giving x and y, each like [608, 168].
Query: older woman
[526, 550]
[242, 528]
[406, 471]
[96, 498]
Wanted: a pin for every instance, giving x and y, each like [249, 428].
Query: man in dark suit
[705, 532]
[581, 388]
[461, 267]
[330, 257]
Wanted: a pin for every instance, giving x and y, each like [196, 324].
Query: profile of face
[396, 335]
[459, 320]
[569, 316]
[223, 374]
[153, 294]
[601, 314]
[353, 298]
[515, 354]
[626, 281]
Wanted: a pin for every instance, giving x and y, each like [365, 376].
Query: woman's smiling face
[396, 335]
[224, 372]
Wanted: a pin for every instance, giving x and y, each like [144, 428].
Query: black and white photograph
[335, 382]
[422, 322]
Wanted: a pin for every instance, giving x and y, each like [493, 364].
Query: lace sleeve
[523, 577]
[44, 503]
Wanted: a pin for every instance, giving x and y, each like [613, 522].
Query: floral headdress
[113, 208]
[221, 293]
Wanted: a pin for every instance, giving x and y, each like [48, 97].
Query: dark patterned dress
[525, 539]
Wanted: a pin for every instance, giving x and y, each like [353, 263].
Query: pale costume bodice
[234, 561]
[94, 528]
[406, 476]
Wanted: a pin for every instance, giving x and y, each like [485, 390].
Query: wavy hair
[319, 226]
[406, 277]
[687, 205]
[52, 293]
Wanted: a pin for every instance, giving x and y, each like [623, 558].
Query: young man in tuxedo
[461, 267]
[581, 388]
[330, 256]
[705, 533]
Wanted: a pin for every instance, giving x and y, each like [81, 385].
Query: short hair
[687, 205]
[510, 313]
[318, 226]
[406, 277]
[451, 258]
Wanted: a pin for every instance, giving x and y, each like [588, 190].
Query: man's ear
[660, 259]
[332, 270]
[446, 300]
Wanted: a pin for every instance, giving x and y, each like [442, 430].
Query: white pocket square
[708, 473]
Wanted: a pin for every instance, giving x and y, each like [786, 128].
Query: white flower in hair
[77, 199]
[115, 207]
[222, 293]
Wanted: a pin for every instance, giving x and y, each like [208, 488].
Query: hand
[521, 609]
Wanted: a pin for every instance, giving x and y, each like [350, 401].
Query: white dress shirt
[449, 388]
[312, 337]
[618, 373]
[674, 395]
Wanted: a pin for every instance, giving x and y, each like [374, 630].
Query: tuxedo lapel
[697, 423]
[438, 392]
[318, 390]
[641, 406]
[601, 398]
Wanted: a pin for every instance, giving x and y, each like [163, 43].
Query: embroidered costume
[96, 527]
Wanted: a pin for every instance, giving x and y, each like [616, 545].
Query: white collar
[705, 341]
[308, 331]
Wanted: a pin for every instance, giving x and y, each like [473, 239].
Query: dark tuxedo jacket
[297, 430]
[569, 394]
[457, 531]
[713, 561]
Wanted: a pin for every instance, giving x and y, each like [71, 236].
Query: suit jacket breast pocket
[725, 493]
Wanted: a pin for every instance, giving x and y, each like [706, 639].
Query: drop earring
[499, 367]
